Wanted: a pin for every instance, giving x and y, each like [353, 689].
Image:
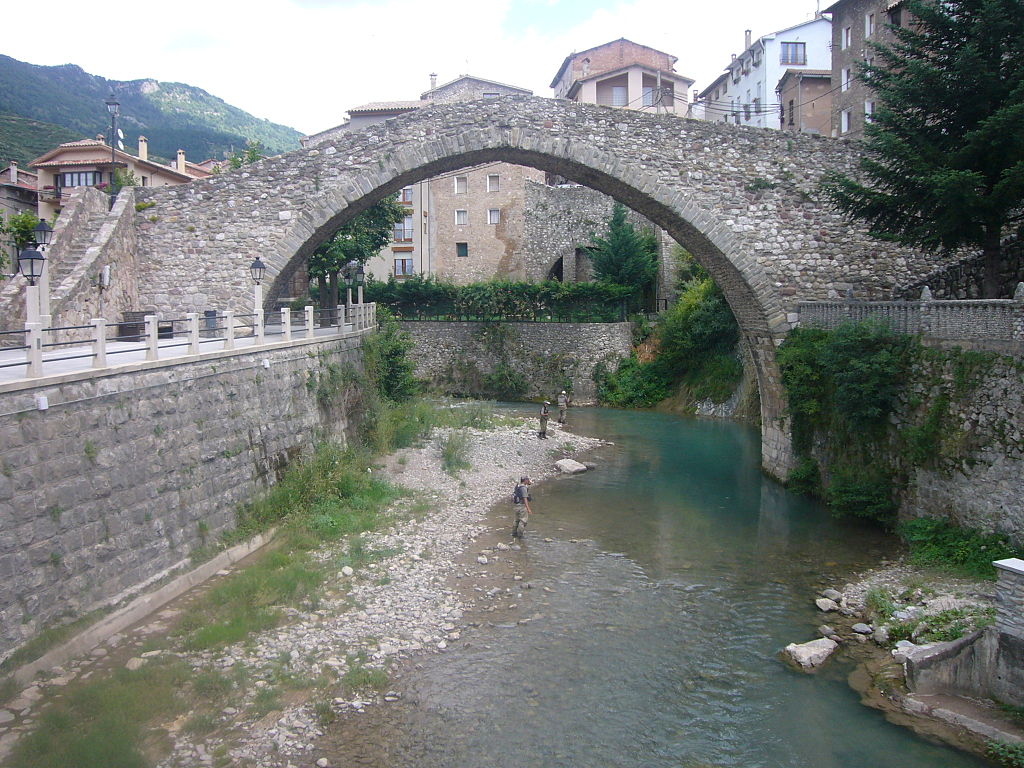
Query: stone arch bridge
[744, 201]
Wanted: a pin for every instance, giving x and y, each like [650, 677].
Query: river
[661, 587]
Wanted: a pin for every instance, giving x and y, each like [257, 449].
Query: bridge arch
[740, 200]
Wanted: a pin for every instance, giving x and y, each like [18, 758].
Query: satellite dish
[120, 145]
[120, 133]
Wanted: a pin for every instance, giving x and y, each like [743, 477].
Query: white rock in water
[861, 628]
[832, 594]
[570, 466]
[811, 654]
[482, 559]
[824, 604]
[323, 762]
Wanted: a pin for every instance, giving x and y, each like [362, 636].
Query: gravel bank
[396, 607]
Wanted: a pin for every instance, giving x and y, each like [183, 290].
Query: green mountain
[23, 139]
[172, 116]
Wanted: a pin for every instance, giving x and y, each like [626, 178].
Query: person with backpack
[544, 415]
[521, 499]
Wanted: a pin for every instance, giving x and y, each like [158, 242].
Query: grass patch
[455, 453]
[360, 677]
[102, 724]
[1011, 755]
[48, 639]
[880, 602]
[938, 544]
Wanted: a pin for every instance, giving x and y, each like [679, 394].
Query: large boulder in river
[570, 466]
[812, 654]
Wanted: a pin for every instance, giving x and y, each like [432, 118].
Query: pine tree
[945, 150]
[625, 257]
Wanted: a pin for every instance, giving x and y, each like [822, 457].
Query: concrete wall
[453, 355]
[129, 471]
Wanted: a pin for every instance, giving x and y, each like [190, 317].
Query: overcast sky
[303, 63]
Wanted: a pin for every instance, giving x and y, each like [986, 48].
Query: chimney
[143, 148]
[746, 39]
[14, 172]
[433, 80]
[180, 167]
[696, 95]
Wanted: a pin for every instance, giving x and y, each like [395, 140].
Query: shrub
[805, 477]
[866, 492]
[937, 543]
[1011, 755]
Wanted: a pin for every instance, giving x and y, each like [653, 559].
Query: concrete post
[258, 327]
[1010, 596]
[229, 329]
[309, 321]
[32, 304]
[193, 332]
[34, 342]
[99, 342]
[286, 324]
[152, 338]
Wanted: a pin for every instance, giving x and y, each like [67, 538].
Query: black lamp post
[43, 234]
[31, 263]
[258, 270]
[114, 108]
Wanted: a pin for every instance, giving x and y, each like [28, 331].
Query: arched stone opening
[749, 293]
[557, 271]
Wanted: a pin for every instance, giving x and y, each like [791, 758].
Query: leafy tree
[625, 257]
[945, 150]
[252, 153]
[359, 240]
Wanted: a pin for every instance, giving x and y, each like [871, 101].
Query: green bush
[937, 543]
[387, 360]
[859, 491]
[1010, 755]
[805, 477]
[634, 384]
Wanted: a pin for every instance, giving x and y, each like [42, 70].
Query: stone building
[855, 24]
[805, 101]
[17, 191]
[746, 94]
[623, 74]
[463, 226]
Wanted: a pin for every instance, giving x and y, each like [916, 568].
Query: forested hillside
[171, 115]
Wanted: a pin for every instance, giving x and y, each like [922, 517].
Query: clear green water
[675, 573]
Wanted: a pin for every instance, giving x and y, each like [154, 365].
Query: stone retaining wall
[127, 472]
[552, 356]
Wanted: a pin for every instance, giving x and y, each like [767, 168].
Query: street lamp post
[114, 108]
[258, 270]
[43, 234]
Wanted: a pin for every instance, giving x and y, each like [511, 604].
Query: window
[403, 230]
[844, 121]
[461, 218]
[791, 112]
[649, 96]
[462, 249]
[757, 106]
[746, 112]
[619, 96]
[406, 196]
[869, 111]
[490, 95]
[493, 182]
[461, 185]
[403, 267]
[847, 37]
[845, 82]
[80, 179]
[793, 53]
[869, 24]
[493, 215]
[145, 180]
[896, 17]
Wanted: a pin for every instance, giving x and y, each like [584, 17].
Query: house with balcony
[623, 74]
[745, 94]
[92, 163]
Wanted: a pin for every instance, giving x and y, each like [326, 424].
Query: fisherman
[563, 406]
[521, 498]
[544, 415]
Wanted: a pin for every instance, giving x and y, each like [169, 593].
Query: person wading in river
[563, 405]
[521, 498]
[544, 414]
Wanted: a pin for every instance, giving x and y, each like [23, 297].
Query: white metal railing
[46, 350]
[976, 320]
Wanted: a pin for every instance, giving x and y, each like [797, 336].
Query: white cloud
[304, 62]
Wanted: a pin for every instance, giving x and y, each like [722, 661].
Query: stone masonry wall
[977, 476]
[128, 472]
[552, 356]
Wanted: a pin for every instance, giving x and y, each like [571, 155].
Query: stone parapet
[1010, 597]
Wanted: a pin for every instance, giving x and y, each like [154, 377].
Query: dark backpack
[519, 494]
